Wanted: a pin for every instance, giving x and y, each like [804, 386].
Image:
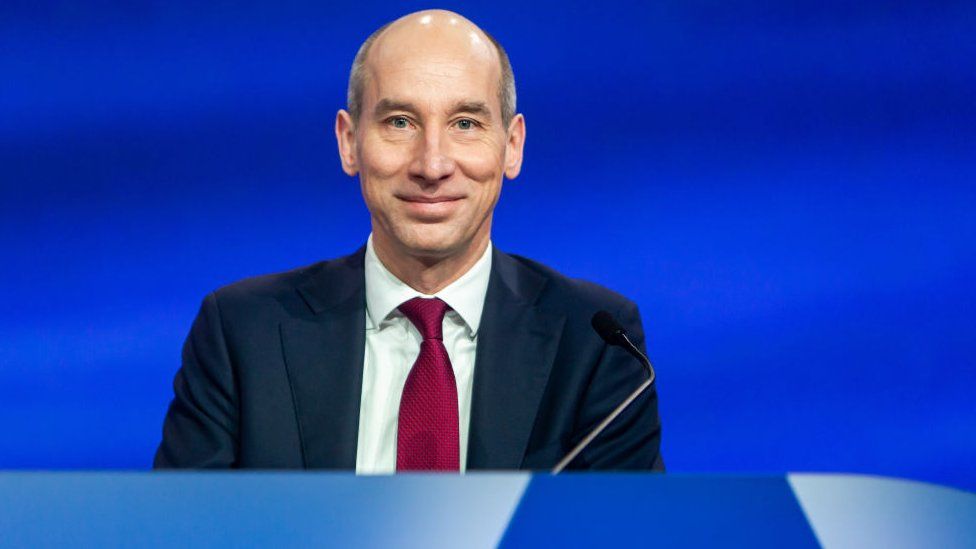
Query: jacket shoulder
[271, 285]
[573, 295]
[287, 291]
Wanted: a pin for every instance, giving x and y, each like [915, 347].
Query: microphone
[614, 334]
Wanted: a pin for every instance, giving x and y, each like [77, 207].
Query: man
[428, 349]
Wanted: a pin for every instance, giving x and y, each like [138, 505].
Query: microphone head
[608, 328]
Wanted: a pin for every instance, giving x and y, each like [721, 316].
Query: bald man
[428, 349]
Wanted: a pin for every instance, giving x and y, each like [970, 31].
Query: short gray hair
[359, 74]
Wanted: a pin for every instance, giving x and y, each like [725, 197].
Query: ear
[513, 147]
[345, 132]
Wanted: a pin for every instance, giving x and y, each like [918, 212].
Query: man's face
[430, 146]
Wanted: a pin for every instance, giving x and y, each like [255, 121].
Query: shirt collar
[385, 292]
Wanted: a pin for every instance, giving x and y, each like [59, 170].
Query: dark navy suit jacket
[272, 374]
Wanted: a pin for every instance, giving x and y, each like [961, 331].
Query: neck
[429, 274]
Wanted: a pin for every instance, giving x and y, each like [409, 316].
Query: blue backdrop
[786, 189]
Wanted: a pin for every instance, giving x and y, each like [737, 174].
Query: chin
[432, 249]
[428, 241]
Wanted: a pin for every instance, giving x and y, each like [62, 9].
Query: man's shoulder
[293, 290]
[570, 294]
[270, 285]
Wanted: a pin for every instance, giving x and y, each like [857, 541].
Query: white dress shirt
[392, 346]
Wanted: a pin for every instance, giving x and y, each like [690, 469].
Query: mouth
[419, 199]
[430, 208]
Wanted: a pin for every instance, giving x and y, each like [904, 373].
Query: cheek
[381, 159]
[481, 161]
[380, 164]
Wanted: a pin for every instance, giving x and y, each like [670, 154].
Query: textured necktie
[427, 430]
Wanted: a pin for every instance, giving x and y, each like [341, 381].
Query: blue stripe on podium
[617, 510]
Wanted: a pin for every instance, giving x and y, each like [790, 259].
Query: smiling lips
[430, 207]
[429, 199]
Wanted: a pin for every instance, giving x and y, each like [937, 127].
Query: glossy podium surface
[478, 510]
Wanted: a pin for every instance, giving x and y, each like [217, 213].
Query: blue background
[786, 189]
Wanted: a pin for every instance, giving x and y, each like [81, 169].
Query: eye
[465, 124]
[399, 122]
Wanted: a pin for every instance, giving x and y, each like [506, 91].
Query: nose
[432, 162]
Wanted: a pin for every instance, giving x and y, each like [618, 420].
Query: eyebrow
[386, 105]
[479, 108]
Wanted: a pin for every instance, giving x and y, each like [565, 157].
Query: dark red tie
[427, 431]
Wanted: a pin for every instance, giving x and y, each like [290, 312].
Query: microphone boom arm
[632, 349]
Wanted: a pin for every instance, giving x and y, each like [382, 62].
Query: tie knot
[427, 315]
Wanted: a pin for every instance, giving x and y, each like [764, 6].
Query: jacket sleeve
[200, 429]
[633, 440]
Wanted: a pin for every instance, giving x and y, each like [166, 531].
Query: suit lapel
[517, 344]
[324, 359]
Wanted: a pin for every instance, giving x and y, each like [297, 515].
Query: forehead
[433, 68]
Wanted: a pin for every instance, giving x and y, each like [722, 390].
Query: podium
[307, 509]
